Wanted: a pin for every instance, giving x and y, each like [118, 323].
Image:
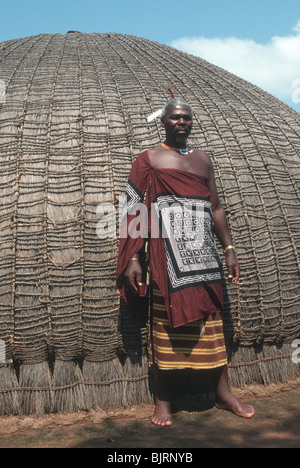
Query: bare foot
[162, 414]
[233, 404]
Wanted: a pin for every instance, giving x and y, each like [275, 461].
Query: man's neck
[178, 143]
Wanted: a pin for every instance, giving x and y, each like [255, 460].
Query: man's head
[172, 103]
[177, 118]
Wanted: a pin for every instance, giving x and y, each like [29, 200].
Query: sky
[258, 40]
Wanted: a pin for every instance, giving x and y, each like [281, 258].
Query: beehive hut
[73, 121]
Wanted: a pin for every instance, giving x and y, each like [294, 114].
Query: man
[177, 186]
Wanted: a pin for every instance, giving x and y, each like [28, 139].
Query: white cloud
[274, 67]
[297, 27]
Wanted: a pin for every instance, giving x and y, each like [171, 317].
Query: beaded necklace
[183, 151]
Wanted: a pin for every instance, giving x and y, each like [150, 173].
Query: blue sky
[258, 39]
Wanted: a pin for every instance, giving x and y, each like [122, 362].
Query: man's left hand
[233, 267]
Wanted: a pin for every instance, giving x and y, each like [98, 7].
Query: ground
[276, 425]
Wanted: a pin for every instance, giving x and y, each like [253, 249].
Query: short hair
[172, 103]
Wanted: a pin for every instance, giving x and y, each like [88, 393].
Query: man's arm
[221, 227]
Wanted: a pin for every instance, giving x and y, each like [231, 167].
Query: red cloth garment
[171, 208]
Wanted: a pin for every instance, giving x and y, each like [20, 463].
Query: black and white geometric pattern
[132, 198]
[187, 229]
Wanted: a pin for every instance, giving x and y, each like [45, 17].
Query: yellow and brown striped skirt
[196, 345]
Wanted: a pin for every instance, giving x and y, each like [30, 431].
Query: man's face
[178, 123]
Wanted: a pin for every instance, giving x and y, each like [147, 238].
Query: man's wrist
[229, 248]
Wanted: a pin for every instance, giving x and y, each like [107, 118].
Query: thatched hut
[74, 120]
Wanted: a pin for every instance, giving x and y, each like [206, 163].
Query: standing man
[175, 184]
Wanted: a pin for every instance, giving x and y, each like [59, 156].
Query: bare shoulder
[156, 154]
[202, 163]
[156, 150]
[203, 156]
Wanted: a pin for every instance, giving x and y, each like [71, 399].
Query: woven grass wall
[74, 120]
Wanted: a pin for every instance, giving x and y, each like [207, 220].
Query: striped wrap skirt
[196, 345]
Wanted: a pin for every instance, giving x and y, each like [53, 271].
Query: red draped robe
[171, 208]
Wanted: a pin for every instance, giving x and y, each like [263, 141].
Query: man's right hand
[133, 276]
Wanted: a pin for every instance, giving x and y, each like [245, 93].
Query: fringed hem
[69, 388]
